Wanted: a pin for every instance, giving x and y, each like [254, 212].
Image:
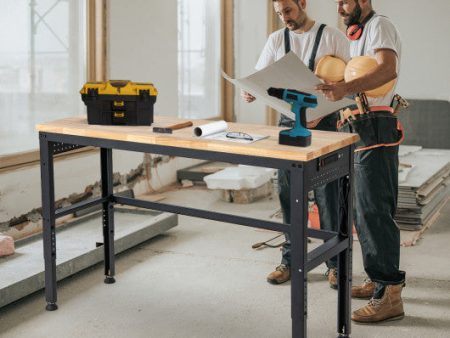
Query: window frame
[96, 55]
[96, 68]
[273, 24]
[227, 62]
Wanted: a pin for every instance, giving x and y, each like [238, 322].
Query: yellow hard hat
[330, 68]
[361, 65]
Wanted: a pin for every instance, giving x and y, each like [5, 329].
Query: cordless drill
[298, 136]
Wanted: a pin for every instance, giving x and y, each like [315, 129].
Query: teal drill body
[298, 136]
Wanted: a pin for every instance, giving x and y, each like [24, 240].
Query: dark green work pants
[376, 190]
[326, 197]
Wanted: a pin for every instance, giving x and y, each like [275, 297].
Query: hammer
[169, 129]
[401, 103]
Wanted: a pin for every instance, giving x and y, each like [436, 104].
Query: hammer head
[162, 130]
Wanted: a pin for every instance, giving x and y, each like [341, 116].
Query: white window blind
[42, 67]
[199, 58]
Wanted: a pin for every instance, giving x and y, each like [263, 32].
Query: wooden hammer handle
[181, 125]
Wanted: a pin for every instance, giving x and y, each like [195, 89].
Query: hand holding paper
[288, 72]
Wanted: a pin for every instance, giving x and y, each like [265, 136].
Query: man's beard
[353, 17]
[298, 23]
[293, 25]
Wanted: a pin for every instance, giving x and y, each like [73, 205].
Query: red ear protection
[355, 31]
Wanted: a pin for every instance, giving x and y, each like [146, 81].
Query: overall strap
[312, 59]
[366, 20]
[287, 45]
[287, 41]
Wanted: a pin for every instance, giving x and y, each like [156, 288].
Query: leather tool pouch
[375, 129]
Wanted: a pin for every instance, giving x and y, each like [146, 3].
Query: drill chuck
[276, 92]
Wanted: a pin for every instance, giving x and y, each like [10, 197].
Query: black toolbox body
[110, 103]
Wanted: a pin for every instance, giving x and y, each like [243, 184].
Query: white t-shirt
[333, 42]
[378, 33]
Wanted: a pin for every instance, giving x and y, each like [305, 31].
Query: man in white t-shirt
[376, 160]
[310, 41]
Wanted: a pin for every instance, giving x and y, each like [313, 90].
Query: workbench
[329, 158]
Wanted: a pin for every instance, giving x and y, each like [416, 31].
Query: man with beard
[376, 160]
[310, 41]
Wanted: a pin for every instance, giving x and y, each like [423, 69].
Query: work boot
[332, 278]
[365, 290]
[281, 274]
[389, 307]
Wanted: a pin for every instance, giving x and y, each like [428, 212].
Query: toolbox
[119, 102]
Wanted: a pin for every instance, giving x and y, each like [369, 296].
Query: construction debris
[246, 196]
[242, 184]
[424, 185]
[197, 172]
[6, 245]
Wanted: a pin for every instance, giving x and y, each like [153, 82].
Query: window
[199, 45]
[42, 67]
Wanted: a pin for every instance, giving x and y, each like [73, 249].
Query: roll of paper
[210, 128]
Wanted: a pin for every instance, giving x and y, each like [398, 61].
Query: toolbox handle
[119, 83]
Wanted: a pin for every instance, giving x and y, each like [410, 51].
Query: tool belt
[378, 127]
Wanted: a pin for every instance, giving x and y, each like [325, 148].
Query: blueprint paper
[210, 128]
[218, 131]
[288, 72]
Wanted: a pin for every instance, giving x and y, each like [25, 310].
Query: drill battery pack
[119, 102]
[286, 138]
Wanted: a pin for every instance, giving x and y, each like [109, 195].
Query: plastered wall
[143, 46]
[142, 43]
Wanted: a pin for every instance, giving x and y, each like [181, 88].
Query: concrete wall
[427, 123]
[425, 29]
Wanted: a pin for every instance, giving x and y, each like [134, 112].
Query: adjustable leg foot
[51, 307]
[109, 280]
[343, 336]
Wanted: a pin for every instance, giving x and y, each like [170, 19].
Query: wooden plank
[322, 142]
[227, 42]
[273, 24]
[96, 36]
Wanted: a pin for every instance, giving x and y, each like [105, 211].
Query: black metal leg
[345, 257]
[108, 214]
[299, 221]
[48, 220]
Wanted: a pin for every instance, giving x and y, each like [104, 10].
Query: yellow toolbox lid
[119, 87]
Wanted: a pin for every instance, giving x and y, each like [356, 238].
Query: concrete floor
[202, 279]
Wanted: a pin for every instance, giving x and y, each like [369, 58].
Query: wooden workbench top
[322, 142]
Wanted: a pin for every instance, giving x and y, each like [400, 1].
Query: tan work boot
[389, 307]
[365, 290]
[332, 278]
[281, 274]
